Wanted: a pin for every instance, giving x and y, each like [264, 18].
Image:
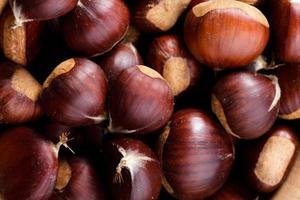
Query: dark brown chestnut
[19, 95]
[75, 93]
[94, 27]
[28, 166]
[77, 180]
[141, 101]
[246, 103]
[158, 15]
[267, 160]
[20, 44]
[196, 155]
[168, 55]
[133, 170]
[225, 33]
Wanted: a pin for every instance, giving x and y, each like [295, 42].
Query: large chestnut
[168, 55]
[133, 170]
[94, 27]
[225, 34]
[75, 93]
[246, 103]
[19, 95]
[196, 155]
[28, 166]
[267, 160]
[141, 101]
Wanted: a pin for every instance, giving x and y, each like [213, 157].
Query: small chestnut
[196, 155]
[133, 170]
[225, 33]
[75, 93]
[19, 95]
[94, 27]
[246, 103]
[168, 55]
[141, 101]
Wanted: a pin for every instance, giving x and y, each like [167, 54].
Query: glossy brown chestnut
[246, 103]
[133, 170]
[158, 15]
[28, 166]
[77, 180]
[168, 55]
[196, 155]
[75, 93]
[225, 33]
[267, 160]
[21, 44]
[141, 101]
[94, 27]
[284, 21]
[19, 95]
[123, 56]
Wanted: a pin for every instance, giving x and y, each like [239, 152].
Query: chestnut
[196, 155]
[225, 34]
[94, 27]
[20, 44]
[133, 170]
[195, 2]
[77, 180]
[75, 92]
[246, 103]
[141, 101]
[158, 15]
[28, 166]
[267, 160]
[3, 4]
[168, 55]
[19, 95]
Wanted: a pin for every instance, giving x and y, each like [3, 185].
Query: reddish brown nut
[141, 101]
[28, 166]
[21, 44]
[246, 103]
[19, 95]
[75, 93]
[267, 160]
[134, 171]
[94, 27]
[168, 55]
[225, 34]
[158, 15]
[196, 155]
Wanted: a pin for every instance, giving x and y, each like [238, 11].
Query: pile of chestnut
[149, 99]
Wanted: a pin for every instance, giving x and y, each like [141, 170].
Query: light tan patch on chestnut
[149, 72]
[165, 14]
[251, 2]
[23, 82]
[63, 176]
[205, 7]
[2, 6]
[274, 160]
[177, 73]
[291, 116]
[62, 68]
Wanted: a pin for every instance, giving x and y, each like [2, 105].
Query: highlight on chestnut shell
[196, 155]
[75, 93]
[246, 103]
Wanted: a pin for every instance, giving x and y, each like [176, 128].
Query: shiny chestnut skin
[246, 103]
[196, 155]
[225, 34]
[94, 27]
[267, 160]
[75, 93]
[28, 165]
[168, 55]
[133, 170]
[19, 95]
[20, 44]
[141, 101]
